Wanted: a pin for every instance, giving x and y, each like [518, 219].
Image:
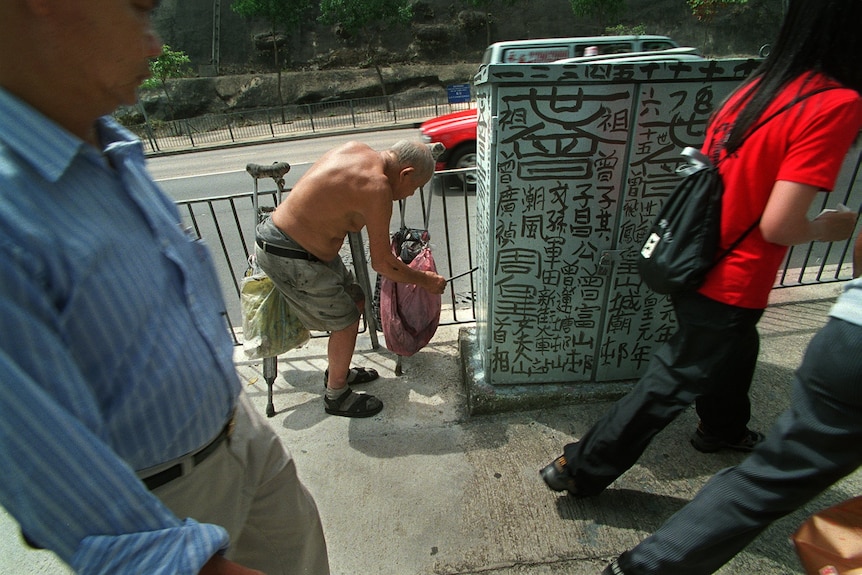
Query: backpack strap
[736, 242]
[697, 161]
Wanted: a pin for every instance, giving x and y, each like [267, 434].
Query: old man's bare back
[335, 197]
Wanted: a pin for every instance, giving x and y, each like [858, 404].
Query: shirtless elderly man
[350, 187]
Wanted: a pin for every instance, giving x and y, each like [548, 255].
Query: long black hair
[815, 36]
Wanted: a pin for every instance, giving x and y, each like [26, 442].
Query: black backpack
[681, 245]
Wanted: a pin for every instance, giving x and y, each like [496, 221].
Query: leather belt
[286, 252]
[186, 463]
[167, 475]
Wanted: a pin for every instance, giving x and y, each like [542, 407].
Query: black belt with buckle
[167, 475]
[173, 472]
[286, 252]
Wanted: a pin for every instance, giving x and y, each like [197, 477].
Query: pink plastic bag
[409, 314]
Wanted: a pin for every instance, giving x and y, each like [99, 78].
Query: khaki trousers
[250, 487]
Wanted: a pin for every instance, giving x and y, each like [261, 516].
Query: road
[211, 173]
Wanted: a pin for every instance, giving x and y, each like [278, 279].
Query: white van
[682, 54]
[546, 50]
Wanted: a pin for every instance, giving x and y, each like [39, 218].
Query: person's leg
[340, 399]
[316, 291]
[250, 487]
[725, 411]
[325, 297]
[812, 445]
[282, 534]
[678, 372]
[339, 352]
[342, 344]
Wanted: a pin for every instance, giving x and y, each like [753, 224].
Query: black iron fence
[226, 224]
[826, 262]
[290, 120]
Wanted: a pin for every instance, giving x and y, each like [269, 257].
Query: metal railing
[226, 225]
[827, 262]
[289, 120]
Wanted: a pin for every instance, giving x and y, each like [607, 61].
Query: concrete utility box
[573, 163]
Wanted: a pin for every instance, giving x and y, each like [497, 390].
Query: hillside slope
[448, 31]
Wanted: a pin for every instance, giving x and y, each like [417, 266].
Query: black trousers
[710, 360]
[812, 445]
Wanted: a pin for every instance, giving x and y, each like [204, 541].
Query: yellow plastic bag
[270, 328]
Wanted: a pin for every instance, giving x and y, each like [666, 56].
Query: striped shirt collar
[47, 146]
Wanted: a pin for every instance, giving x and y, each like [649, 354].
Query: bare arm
[384, 261]
[785, 219]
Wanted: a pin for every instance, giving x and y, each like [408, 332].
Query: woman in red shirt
[771, 176]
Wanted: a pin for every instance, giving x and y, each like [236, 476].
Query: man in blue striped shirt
[125, 442]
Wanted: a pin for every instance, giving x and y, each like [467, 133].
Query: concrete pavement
[424, 488]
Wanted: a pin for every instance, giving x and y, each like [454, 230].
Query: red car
[456, 131]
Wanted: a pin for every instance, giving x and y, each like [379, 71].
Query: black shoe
[557, 478]
[613, 568]
[353, 404]
[355, 375]
[706, 443]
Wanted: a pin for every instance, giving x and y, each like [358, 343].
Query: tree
[365, 22]
[706, 10]
[603, 10]
[284, 15]
[626, 30]
[485, 6]
[169, 64]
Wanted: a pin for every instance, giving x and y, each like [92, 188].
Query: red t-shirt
[805, 144]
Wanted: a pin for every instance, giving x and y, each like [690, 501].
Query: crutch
[275, 171]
